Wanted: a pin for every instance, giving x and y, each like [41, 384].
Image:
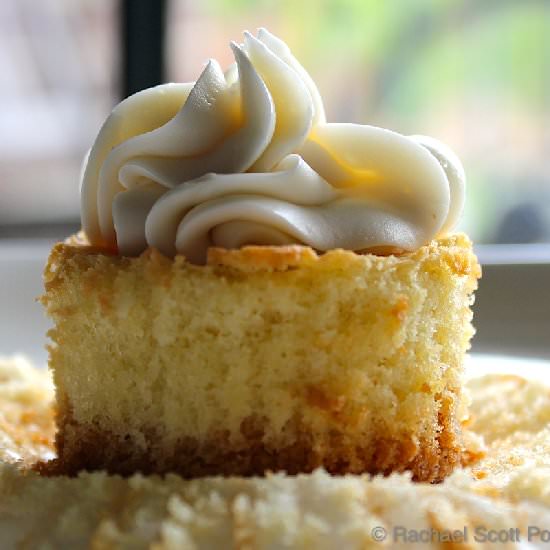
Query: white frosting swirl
[246, 157]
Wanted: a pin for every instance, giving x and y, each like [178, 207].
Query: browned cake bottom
[85, 447]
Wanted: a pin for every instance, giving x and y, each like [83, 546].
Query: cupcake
[256, 289]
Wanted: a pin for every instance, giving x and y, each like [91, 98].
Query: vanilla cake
[263, 359]
[256, 289]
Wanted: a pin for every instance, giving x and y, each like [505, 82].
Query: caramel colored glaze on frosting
[246, 157]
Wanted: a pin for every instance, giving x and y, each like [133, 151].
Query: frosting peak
[246, 157]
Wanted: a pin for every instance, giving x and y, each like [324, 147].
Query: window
[57, 68]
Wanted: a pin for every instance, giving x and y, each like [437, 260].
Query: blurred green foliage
[425, 49]
[439, 46]
[475, 71]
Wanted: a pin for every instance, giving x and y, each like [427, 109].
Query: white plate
[478, 364]
[23, 324]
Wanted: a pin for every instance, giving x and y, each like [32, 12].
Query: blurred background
[474, 74]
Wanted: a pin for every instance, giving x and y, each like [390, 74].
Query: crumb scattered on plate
[508, 488]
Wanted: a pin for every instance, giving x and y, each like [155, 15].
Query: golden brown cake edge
[431, 464]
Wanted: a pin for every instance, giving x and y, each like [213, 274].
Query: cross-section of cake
[257, 289]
